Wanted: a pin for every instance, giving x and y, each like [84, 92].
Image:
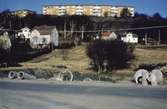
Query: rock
[87, 79]
[164, 69]
[138, 75]
[57, 78]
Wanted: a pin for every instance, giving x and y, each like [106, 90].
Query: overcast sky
[142, 6]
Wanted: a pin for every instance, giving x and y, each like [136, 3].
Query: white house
[38, 38]
[25, 33]
[130, 38]
[40, 35]
[44, 35]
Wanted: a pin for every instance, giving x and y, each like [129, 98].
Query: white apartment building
[89, 10]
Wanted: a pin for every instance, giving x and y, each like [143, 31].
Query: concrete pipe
[145, 76]
[22, 75]
[153, 79]
[156, 76]
[65, 76]
[12, 74]
[138, 75]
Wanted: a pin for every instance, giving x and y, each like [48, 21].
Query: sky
[148, 7]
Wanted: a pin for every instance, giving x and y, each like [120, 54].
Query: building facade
[130, 38]
[24, 33]
[40, 36]
[89, 10]
[44, 35]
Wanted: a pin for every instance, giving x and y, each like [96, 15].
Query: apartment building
[89, 10]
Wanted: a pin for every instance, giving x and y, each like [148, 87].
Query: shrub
[112, 54]
[152, 66]
[5, 46]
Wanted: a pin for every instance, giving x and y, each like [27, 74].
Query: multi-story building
[89, 10]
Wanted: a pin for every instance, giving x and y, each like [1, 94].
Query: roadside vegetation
[105, 57]
[109, 55]
[77, 59]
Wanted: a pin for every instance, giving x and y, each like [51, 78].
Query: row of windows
[79, 10]
[115, 9]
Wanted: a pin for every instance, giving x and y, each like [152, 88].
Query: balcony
[79, 13]
[61, 7]
[96, 13]
[97, 7]
[79, 10]
[79, 7]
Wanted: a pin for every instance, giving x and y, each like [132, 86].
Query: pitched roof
[44, 29]
[105, 34]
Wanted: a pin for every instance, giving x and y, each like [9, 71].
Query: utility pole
[82, 34]
[72, 27]
[145, 38]
[65, 28]
[10, 24]
[159, 37]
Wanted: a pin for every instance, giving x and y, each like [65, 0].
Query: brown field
[151, 55]
[75, 59]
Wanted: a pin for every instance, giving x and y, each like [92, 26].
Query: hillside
[75, 59]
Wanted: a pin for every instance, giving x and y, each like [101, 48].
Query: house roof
[44, 29]
[25, 28]
[105, 34]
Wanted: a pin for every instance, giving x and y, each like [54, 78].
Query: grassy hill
[75, 59]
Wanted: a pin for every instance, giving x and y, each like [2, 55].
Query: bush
[5, 46]
[109, 55]
[152, 66]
